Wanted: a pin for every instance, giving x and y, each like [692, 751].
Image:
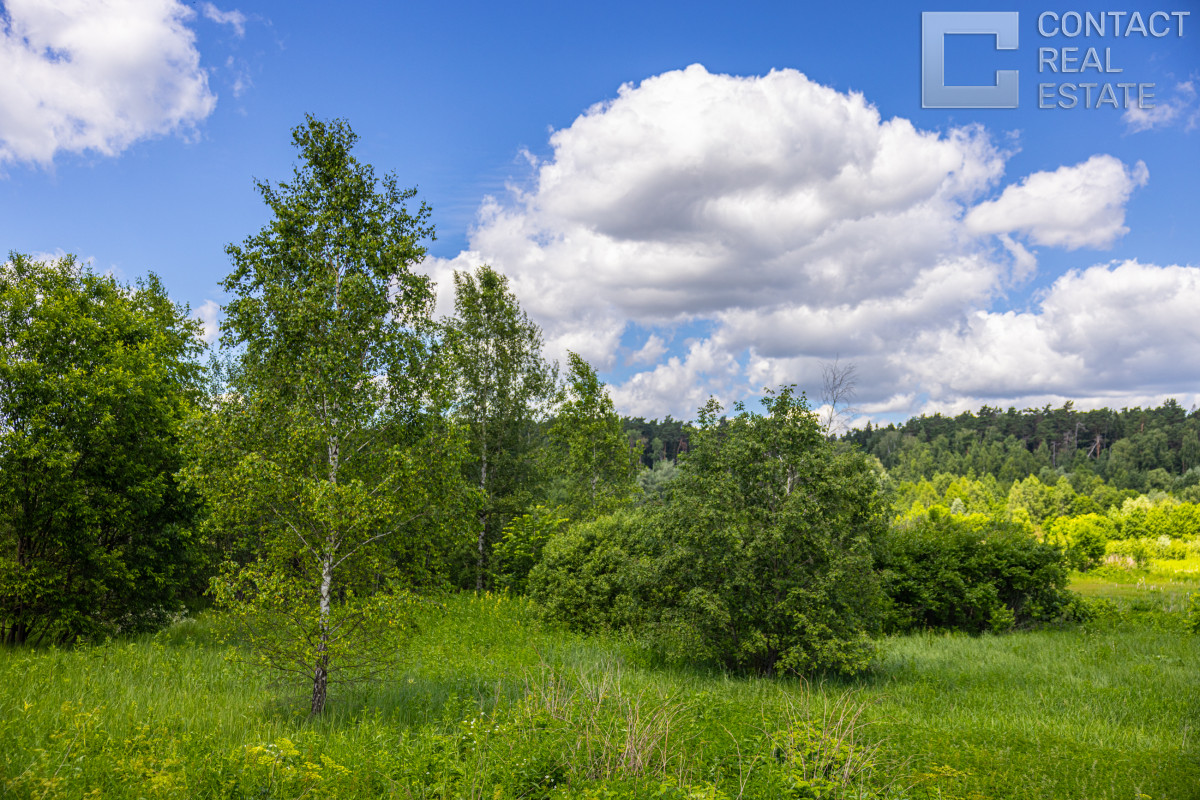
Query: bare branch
[838, 383]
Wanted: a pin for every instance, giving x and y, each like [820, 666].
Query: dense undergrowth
[494, 704]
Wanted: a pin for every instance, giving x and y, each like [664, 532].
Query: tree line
[1131, 448]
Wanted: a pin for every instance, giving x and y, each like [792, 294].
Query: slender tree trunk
[482, 515]
[595, 473]
[17, 634]
[321, 669]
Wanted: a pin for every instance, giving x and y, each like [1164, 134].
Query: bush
[520, 547]
[1137, 550]
[1082, 538]
[759, 557]
[584, 570]
[972, 575]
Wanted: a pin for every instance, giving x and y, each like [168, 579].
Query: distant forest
[1133, 448]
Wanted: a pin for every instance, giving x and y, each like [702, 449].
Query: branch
[377, 537]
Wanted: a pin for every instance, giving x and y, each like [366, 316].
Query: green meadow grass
[490, 702]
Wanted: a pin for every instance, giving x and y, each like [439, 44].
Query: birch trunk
[321, 670]
[482, 515]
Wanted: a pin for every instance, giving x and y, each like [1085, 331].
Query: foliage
[655, 481]
[273, 610]
[520, 547]
[1082, 538]
[501, 385]
[657, 441]
[972, 574]
[759, 558]
[586, 576]
[327, 446]
[589, 450]
[1137, 449]
[96, 379]
[1140, 551]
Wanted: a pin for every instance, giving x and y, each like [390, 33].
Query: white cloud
[1072, 207]
[234, 18]
[683, 384]
[1105, 329]
[1180, 106]
[239, 73]
[693, 194]
[209, 314]
[826, 330]
[792, 223]
[56, 254]
[82, 75]
[651, 351]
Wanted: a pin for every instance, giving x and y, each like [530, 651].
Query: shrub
[1137, 550]
[760, 556]
[1166, 547]
[1082, 538]
[583, 569]
[973, 575]
[520, 547]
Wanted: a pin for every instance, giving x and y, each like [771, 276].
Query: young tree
[501, 384]
[327, 443]
[590, 451]
[96, 379]
[838, 387]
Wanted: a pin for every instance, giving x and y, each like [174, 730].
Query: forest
[353, 549]
[1138, 449]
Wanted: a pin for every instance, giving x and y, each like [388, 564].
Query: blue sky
[699, 198]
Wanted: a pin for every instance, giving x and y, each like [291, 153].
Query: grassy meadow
[490, 702]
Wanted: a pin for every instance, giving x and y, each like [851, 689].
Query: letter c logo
[935, 25]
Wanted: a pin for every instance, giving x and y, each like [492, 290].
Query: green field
[489, 702]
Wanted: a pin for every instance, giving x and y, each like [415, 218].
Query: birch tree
[326, 443]
[591, 453]
[501, 385]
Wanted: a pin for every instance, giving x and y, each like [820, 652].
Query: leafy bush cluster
[770, 551]
[971, 573]
[1093, 523]
[758, 557]
[96, 381]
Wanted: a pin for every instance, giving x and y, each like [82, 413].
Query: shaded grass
[492, 702]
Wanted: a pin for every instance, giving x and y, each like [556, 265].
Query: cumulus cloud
[793, 223]
[1129, 326]
[209, 314]
[1071, 207]
[695, 193]
[651, 351]
[84, 75]
[1181, 106]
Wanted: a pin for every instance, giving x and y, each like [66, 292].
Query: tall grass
[493, 703]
